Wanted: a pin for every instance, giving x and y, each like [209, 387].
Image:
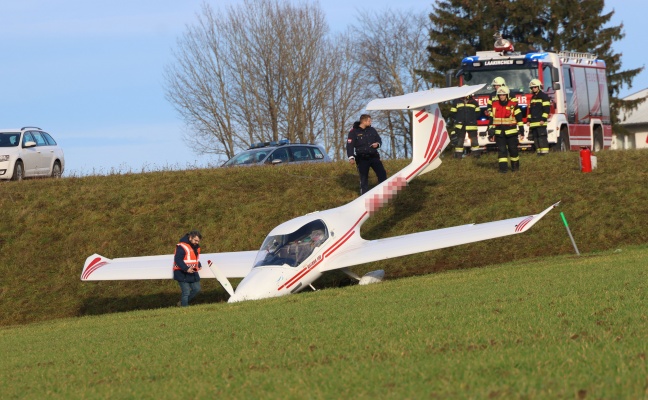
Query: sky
[91, 73]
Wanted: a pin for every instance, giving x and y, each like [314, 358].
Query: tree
[261, 71]
[391, 51]
[462, 28]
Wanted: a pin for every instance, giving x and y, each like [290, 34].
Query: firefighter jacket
[186, 256]
[465, 113]
[538, 110]
[360, 140]
[505, 117]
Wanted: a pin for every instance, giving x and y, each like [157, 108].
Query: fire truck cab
[575, 82]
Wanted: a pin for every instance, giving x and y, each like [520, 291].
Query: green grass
[557, 327]
[49, 227]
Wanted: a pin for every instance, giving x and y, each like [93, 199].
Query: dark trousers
[475, 151]
[507, 147]
[363, 164]
[539, 135]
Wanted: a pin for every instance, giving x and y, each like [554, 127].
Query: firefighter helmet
[503, 90]
[535, 82]
[499, 81]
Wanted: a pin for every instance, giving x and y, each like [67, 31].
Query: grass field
[49, 227]
[557, 327]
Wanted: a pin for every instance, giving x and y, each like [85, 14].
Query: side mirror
[556, 85]
[276, 161]
[29, 144]
[555, 75]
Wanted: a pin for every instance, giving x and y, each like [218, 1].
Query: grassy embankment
[551, 328]
[49, 227]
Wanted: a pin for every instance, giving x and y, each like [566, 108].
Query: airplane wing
[98, 268]
[423, 98]
[381, 249]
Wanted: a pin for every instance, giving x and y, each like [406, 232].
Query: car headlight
[4, 158]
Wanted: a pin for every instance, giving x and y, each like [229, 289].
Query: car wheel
[56, 170]
[19, 172]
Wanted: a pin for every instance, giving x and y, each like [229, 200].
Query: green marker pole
[569, 232]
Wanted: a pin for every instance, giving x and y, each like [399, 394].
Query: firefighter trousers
[507, 148]
[475, 150]
[539, 135]
[460, 137]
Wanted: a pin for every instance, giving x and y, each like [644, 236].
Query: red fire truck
[575, 83]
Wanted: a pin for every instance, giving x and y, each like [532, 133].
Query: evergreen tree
[461, 28]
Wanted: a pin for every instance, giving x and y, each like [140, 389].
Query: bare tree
[346, 94]
[394, 48]
[262, 70]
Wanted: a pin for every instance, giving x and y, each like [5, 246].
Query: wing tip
[93, 263]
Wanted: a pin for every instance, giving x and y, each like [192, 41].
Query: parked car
[29, 152]
[279, 153]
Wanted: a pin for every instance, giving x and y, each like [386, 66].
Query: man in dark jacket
[363, 143]
[186, 266]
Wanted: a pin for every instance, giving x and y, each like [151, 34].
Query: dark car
[279, 153]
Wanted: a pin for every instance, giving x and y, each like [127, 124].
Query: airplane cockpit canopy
[293, 248]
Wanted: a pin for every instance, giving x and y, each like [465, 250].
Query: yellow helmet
[535, 82]
[503, 90]
[499, 81]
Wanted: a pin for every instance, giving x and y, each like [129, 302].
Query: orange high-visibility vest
[504, 114]
[190, 258]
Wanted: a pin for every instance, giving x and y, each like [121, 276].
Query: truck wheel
[598, 139]
[563, 140]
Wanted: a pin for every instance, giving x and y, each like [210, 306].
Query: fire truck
[575, 83]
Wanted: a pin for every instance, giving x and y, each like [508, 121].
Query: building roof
[638, 116]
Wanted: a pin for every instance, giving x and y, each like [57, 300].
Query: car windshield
[248, 157]
[9, 139]
[294, 248]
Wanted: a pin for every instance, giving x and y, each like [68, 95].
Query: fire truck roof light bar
[578, 55]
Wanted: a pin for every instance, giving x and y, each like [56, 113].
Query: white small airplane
[297, 252]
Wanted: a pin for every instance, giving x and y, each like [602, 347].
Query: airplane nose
[260, 283]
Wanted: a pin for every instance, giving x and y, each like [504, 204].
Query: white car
[29, 152]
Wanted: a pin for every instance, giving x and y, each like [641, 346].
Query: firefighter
[465, 112]
[505, 126]
[537, 115]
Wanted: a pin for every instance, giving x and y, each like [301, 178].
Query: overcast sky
[91, 73]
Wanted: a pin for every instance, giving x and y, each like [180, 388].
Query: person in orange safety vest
[186, 266]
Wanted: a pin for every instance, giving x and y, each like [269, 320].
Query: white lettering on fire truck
[498, 62]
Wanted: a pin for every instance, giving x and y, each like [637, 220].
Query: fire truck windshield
[517, 79]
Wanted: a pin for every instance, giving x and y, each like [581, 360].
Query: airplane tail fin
[430, 137]
[429, 133]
